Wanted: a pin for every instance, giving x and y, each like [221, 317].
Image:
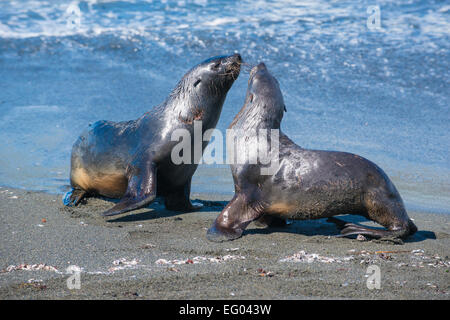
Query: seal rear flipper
[141, 191]
[349, 229]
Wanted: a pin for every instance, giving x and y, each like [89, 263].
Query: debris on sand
[29, 267]
[417, 258]
[147, 246]
[163, 261]
[302, 256]
[264, 273]
[360, 237]
[196, 260]
[34, 283]
[123, 263]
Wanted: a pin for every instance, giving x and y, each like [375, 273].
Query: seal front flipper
[141, 190]
[268, 221]
[233, 220]
[179, 199]
[73, 197]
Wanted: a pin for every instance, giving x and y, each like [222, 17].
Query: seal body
[132, 160]
[304, 184]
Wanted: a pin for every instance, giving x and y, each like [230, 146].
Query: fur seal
[306, 184]
[131, 160]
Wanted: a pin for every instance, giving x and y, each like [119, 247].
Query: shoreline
[153, 253]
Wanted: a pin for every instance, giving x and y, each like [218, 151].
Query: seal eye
[197, 82]
[217, 65]
[251, 97]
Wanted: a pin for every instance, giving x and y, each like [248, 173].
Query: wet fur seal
[307, 184]
[131, 160]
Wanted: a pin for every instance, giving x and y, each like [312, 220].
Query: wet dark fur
[131, 160]
[307, 184]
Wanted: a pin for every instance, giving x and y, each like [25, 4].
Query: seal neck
[257, 116]
[186, 107]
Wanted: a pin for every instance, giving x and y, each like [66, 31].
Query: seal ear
[197, 82]
[251, 97]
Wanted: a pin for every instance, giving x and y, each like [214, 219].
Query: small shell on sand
[360, 237]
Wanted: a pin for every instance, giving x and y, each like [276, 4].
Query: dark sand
[247, 268]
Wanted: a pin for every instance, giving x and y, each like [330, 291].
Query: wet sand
[153, 253]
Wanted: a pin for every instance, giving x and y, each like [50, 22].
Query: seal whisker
[248, 66]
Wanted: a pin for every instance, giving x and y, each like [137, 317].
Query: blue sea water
[383, 93]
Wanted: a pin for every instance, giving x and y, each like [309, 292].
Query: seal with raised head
[306, 184]
[131, 160]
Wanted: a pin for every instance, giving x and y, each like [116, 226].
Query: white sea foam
[27, 19]
[221, 21]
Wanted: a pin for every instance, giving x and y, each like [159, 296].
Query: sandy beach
[153, 253]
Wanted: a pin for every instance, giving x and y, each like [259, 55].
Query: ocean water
[379, 90]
